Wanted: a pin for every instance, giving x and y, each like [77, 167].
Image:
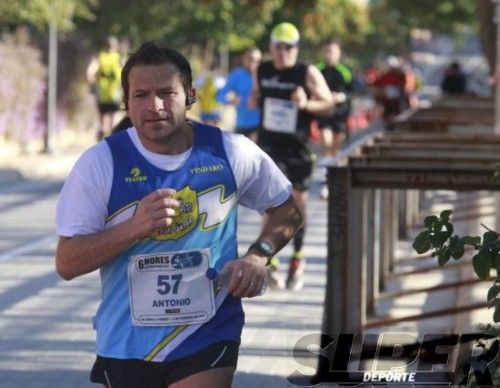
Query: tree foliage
[445, 16]
[41, 13]
[235, 24]
[184, 22]
[393, 20]
[199, 27]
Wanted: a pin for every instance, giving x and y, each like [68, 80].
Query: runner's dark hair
[156, 53]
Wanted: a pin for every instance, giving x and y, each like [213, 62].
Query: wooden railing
[374, 198]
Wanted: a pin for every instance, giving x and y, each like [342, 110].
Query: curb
[35, 167]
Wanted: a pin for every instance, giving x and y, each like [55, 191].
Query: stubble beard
[166, 135]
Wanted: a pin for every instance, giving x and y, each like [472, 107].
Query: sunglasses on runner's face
[286, 47]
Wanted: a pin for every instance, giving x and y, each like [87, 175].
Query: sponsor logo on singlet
[135, 176]
[275, 83]
[205, 209]
[207, 169]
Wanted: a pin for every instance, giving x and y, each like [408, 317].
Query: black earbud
[190, 100]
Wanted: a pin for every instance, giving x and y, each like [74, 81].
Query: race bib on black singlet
[170, 288]
[280, 115]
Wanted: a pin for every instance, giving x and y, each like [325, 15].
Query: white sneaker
[274, 280]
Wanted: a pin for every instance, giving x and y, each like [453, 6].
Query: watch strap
[264, 248]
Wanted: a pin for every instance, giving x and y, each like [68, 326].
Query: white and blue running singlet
[157, 301]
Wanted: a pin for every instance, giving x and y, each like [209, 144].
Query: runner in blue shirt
[240, 83]
[154, 208]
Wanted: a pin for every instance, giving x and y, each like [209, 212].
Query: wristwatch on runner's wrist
[264, 248]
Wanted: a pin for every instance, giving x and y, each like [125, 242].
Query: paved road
[46, 338]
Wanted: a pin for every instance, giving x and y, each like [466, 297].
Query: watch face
[263, 247]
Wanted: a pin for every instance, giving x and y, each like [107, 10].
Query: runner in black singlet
[289, 93]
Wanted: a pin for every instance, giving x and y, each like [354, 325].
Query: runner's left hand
[248, 275]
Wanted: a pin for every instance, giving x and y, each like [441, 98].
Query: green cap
[285, 33]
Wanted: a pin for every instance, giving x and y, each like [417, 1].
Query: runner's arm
[322, 100]
[82, 254]
[222, 94]
[253, 100]
[280, 225]
[78, 255]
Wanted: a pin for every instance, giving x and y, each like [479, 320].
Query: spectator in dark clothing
[454, 80]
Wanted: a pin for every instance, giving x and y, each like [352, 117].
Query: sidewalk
[32, 163]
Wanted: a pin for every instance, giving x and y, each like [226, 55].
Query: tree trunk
[487, 30]
[209, 54]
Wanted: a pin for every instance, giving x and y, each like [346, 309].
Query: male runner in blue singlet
[154, 208]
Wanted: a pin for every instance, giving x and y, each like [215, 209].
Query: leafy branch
[438, 237]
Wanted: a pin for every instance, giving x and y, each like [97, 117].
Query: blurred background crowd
[424, 48]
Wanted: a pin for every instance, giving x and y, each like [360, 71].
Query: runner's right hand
[155, 210]
[299, 96]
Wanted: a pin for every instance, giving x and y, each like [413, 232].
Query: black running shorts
[294, 158]
[133, 373]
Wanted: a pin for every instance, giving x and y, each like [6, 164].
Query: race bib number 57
[170, 288]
